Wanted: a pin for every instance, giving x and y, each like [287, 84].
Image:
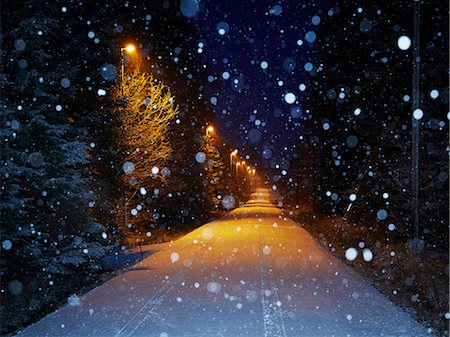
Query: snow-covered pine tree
[48, 247]
[214, 173]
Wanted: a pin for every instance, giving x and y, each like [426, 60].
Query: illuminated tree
[145, 112]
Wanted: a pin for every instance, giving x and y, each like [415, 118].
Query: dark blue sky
[256, 52]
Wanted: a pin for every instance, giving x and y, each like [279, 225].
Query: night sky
[256, 53]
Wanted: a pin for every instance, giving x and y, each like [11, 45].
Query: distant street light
[129, 49]
[232, 154]
[251, 173]
[209, 129]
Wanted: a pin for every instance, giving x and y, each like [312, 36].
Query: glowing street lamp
[129, 49]
[232, 154]
[209, 129]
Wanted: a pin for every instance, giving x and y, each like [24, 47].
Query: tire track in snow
[148, 309]
[272, 312]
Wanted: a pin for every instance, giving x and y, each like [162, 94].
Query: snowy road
[251, 273]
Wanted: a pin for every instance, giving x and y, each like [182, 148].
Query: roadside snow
[253, 272]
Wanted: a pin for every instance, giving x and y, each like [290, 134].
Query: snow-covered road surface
[253, 272]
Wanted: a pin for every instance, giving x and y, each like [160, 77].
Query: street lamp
[209, 129]
[232, 154]
[129, 49]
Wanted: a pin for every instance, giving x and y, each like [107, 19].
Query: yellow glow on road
[253, 265]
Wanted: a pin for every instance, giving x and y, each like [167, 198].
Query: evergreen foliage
[49, 240]
[214, 168]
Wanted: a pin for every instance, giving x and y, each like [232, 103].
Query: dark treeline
[350, 178]
[357, 133]
[62, 152]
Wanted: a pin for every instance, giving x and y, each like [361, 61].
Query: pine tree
[214, 168]
[49, 242]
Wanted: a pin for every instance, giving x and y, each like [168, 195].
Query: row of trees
[47, 233]
[351, 175]
[357, 137]
[85, 167]
[149, 155]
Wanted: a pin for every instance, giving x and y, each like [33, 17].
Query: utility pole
[415, 122]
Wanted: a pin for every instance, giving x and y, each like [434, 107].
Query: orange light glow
[209, 129]
[130, 48]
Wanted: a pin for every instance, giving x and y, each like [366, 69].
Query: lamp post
[244, 164]
[415, 126]
[232, 154]
[251, 175]
[129, 49]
